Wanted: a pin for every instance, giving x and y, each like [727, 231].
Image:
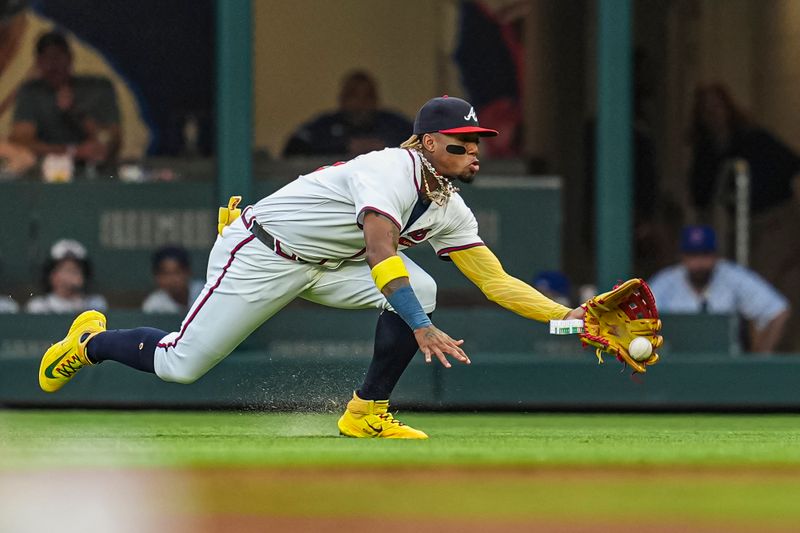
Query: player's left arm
[766, 339]
[483, 269]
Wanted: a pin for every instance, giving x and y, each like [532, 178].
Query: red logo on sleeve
[413, 238]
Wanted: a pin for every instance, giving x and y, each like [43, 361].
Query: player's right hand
[433, 341]
[576, 314]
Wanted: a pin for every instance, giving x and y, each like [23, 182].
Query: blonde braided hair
[412, 143]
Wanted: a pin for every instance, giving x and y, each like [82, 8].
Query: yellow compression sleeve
[483, 269]
[387, 270]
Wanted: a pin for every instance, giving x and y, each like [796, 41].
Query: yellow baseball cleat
[63, 359]
[371, 419]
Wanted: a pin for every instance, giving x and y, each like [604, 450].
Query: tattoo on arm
[395, 284]
[394, 235]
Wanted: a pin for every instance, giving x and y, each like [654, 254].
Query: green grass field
[478, 472]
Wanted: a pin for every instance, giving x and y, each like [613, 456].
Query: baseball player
[334, 237]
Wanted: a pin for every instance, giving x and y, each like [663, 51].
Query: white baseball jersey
[316, 218]
[319, 216]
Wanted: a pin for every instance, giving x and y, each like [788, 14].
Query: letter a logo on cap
[471, 115]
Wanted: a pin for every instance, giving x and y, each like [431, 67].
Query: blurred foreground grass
[478, 472]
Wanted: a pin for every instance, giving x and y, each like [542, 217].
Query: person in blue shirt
[703, 282]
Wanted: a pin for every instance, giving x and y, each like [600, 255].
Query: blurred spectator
[66, 275]
[722, 132]
[20, 28]
[554, 285]
[8, 305]
[705, 283]
[61, 113]
[156, 54]
[490, 54]
[357, 127]
[176, 290]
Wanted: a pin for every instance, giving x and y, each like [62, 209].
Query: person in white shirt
[177, 290]
[8, 305]
[703, 282]
[66, 275]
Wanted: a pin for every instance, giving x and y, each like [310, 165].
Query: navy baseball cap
[698, 240]
[449, 115]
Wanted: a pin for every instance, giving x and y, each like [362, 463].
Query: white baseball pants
[247, 283]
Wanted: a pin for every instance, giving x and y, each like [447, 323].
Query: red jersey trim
[444, 251]
[376, 210]
[247, 223]
[197, 309]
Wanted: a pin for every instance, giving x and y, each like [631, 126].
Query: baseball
[640, 348]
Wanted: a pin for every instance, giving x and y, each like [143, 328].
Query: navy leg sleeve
[135, 348]
[395, 346]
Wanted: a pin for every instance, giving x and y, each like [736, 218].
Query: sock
[395, 346]
[135, 348]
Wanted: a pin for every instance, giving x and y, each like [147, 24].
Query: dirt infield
[559, 500]
[316, 525]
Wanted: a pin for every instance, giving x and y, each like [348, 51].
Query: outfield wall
[122, 224]
[304, 358]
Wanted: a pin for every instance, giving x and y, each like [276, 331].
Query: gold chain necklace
[445, 188]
